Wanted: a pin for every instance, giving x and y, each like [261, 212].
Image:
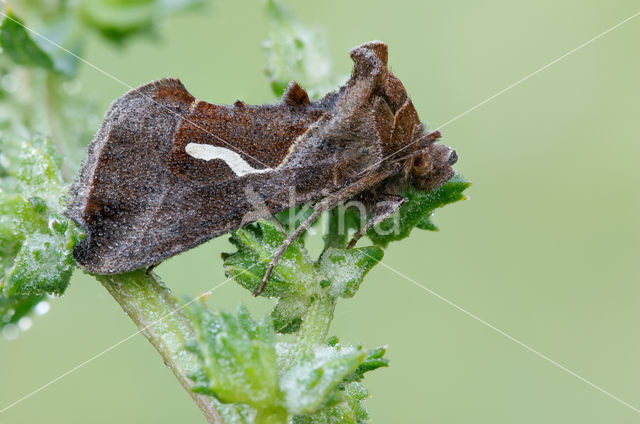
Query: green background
[546, 249]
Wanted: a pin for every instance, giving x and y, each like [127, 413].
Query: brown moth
[167, 172]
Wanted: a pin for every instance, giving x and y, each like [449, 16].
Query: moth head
[431, 165]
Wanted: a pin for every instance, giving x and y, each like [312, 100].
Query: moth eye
[453, 158]
[421, 164]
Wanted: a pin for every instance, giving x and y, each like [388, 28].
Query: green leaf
[338, 272]
[341, 221]
[345, 269]
[348, 411]
[294, 275]
[288, 312]
[12, 310]
[375, 359]
[68, 33]
[119, 20]
[237, 355]
[43, 51]
[296, 52]
[36, 241]
[39, 268]
[417, 211]
[293, 217]
[308, 384]
[16, 42]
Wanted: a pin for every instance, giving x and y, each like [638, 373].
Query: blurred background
[546, 249]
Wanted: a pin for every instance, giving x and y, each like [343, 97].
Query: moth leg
[322, 206]
[386, 206]
[279, 225]
[151, 268]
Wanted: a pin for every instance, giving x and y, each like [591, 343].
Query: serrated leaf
[16, 43]
[296, 52]
[417, 211]
[375, 359]
[288, 312]
[37, 240]
[294, 274]
[39, 173]
[237, 355]
[346, 268]
[308, 384]
[348, 411]
[38, 268]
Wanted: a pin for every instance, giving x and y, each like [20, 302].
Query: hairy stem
[315, 327]
[160, 318]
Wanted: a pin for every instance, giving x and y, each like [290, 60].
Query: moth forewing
[167, 172]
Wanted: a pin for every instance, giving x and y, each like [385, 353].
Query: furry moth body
[167, 172]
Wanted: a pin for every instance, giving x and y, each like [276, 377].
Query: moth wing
[126, 198]
[142, 198]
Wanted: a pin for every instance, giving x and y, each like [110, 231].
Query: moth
[167, 172]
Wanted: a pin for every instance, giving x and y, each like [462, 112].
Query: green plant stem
[160, 318]
[315, 327]
[317, 320]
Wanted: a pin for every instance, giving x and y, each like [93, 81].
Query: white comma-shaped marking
[231, 158]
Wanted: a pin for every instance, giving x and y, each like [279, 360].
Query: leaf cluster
[35, 239]
[245, 366]
[45, 125]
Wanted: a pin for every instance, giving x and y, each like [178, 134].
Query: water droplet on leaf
[10, 332]
[42, 308]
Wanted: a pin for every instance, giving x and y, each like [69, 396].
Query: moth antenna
[428, 138]
[433, 135]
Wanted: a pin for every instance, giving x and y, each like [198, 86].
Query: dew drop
[9, 83]
[24, 323]
[42, 308]
[10, 331]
